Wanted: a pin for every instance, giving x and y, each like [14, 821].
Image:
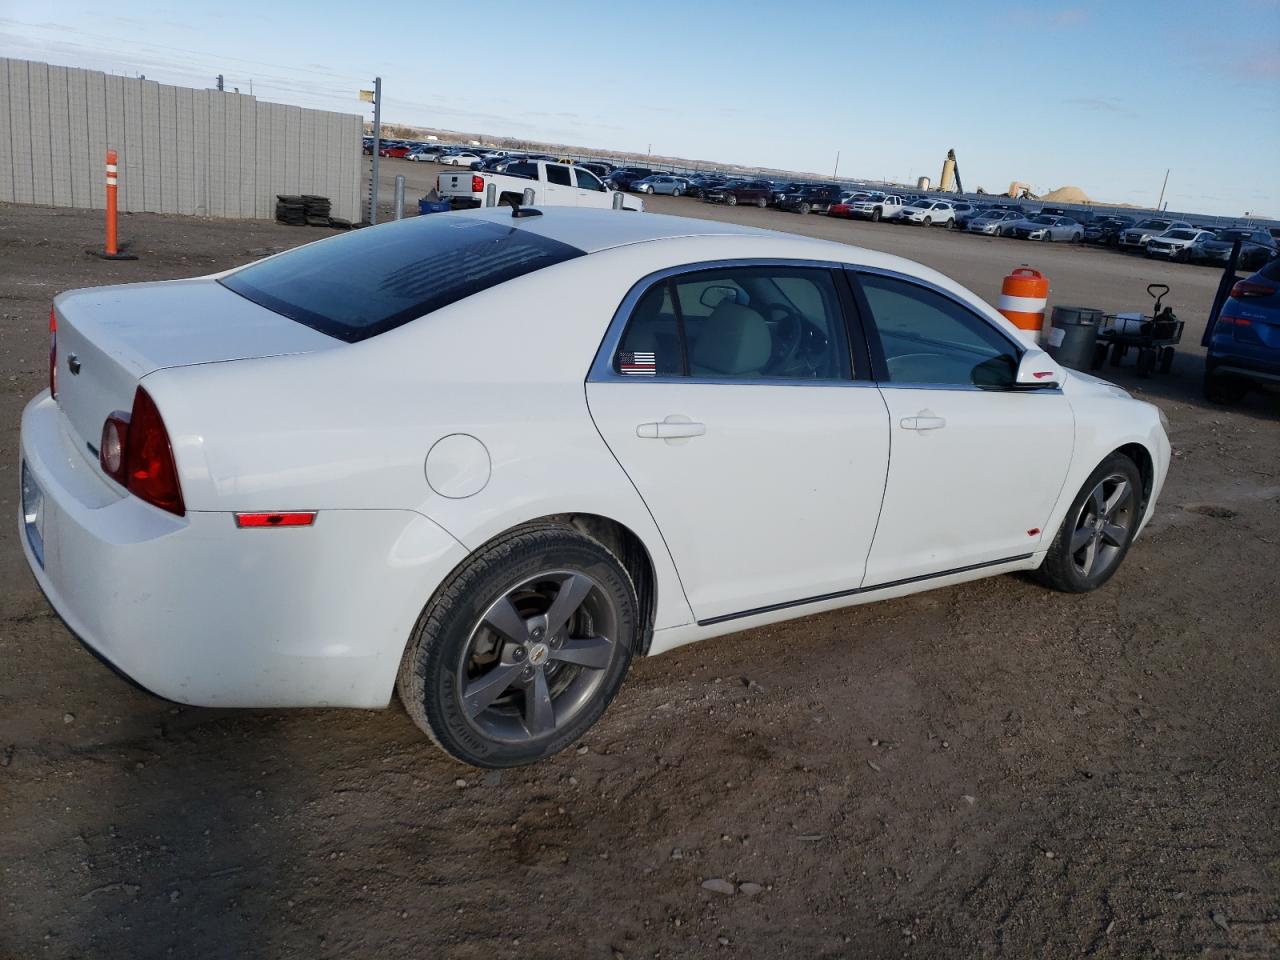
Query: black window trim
[879, 367]
[861, 367]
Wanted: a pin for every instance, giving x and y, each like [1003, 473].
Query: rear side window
[558, 175]
[738, 324]
[367, 282]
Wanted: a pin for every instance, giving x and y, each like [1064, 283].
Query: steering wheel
[787, 333]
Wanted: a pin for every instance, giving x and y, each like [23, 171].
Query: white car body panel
[804, 474]
[205, 613]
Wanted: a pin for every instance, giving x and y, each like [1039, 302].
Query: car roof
[593, 230]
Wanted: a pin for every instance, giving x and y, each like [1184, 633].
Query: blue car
[1244, 351]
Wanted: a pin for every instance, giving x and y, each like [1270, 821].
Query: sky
[1103, 95]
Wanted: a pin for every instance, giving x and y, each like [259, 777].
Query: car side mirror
[1037, 371]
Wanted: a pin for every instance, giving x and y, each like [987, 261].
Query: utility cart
[1154, 337]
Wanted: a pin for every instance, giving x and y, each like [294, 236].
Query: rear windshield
[370, 281]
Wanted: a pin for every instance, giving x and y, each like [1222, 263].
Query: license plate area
[33, 513]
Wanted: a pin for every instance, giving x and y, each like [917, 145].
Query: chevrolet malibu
[485, 460]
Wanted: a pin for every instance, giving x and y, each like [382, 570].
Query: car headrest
[734, 340]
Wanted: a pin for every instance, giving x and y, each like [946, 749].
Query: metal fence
[181, 150]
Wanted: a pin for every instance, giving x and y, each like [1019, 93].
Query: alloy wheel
[537, 656]
[1103, 526]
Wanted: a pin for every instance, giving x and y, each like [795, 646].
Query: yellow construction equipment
[1020, 191]
[949, 182]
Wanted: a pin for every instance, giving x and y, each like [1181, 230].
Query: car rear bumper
[199, 611]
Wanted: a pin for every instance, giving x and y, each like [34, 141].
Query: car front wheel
[1098, 529]
[521, 650]
[731, 201]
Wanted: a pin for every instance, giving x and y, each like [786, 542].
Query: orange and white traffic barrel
[1023, 297]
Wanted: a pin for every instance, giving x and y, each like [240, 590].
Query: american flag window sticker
[639, 364]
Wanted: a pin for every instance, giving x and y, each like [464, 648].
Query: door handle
[671, 429]
[924, 421]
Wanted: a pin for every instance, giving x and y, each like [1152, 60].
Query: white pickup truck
[536, 183]
[877, 207]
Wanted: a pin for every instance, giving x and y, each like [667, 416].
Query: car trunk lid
[109, 338]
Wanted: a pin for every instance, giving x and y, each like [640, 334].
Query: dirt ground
[991, 770]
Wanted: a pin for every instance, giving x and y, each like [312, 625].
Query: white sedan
[459, 159]
[485, 459]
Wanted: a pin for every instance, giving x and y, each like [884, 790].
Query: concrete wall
[181, 150]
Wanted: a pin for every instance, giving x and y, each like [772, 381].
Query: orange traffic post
[1023, 297]
[111, 250]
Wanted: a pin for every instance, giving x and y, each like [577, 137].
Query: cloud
[1036, 18]
[1103, 105]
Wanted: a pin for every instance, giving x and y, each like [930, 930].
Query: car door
[558, 189]
[596, 195]
[726, 395]
[975, 466]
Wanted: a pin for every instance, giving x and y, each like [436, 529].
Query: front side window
[742, 323]
[587, 180]
[929, 338]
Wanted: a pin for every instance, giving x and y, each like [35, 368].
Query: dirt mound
[1067, 195]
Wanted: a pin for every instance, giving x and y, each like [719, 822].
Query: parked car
[1045, 226]
[1176, 244]
[740, 191]
[994, 223]
[1105, 231]
[700, 185]
[928, 212]
[815, 199]
[552, 185]
[844, 207]
[1257, 247]
[782, 188]
[395, 152]
[1136, 237]
[662, 183]
[600, 168]
[964, 212]
[340, 441]
[1244, 347]
[624, 177]
[463, 158]
[877, 207]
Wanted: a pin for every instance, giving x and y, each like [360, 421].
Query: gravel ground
[991, 770]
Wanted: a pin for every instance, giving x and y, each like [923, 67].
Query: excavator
[1020, 191]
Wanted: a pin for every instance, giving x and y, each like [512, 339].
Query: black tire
[441, 652]
[730, 200]
[876, 215]
[1223, 387]
[762, 202]
[676, 192]
[928, 221]
[951, 223]
[805, 208]
[1061, 570]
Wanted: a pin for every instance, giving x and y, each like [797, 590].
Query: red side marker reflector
[1033, 532]
[275, 519]
[1042, 374]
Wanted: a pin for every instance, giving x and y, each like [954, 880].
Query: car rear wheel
[951, 223]
[1077, 238]
[676, 192]
[1223, 387]
[1098, 529]
[522, 649]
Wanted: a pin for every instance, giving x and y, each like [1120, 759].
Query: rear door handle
[672, 428]
[926, 421]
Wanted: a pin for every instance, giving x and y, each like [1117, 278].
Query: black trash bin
[1072, 336]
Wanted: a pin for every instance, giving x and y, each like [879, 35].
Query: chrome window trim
[602, 366]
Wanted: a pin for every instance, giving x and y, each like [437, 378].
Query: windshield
[366, 282]
[1154, 224]
[1049, 220]
[1182, 234]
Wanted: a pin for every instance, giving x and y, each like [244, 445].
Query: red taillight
[1227, 320]
[295, 519]
[147, 468]
[1252, 288]
[53, 352]
[477, 184]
